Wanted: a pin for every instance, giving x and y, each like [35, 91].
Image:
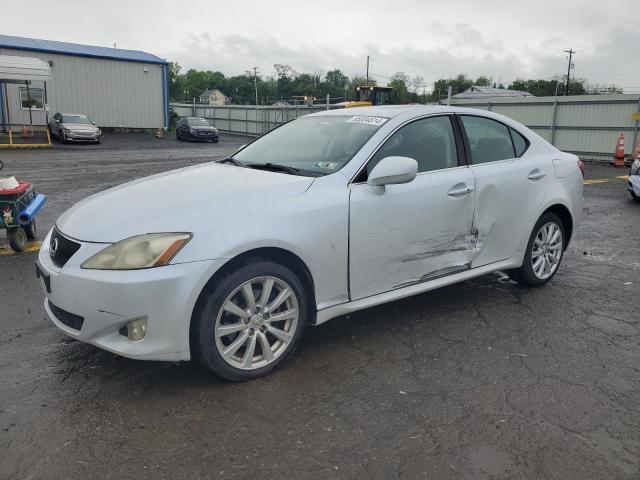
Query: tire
[99, 140]
[553, 252]
[17, 239]
[61, 138]
[208, 342]
[635, 197]
[31, 230]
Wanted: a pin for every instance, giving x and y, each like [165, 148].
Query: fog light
[137, 328]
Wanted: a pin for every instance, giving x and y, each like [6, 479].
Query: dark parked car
[196, 128]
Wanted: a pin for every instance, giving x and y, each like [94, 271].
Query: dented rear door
[511, 184]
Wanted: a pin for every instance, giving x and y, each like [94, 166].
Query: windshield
[77, 119]
[198, 122]
[322, 144]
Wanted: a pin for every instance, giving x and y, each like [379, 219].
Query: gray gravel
[481, 380]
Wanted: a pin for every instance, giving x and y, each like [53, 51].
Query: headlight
[192, 131]
[66, 130]
[142, 251]
[98, 132]
[635, 167]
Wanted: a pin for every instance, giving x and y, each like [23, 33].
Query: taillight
[581, 167]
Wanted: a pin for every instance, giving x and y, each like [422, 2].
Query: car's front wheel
[249, 322]
[544, 252]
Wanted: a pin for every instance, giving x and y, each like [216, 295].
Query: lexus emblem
[53, 246]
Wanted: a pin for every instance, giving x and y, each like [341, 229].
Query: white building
[114, 87]
[213, 97]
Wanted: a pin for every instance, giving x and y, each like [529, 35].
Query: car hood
[177, 201]
[79, 127]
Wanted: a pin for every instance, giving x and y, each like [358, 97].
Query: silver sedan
[227, 262]
[74, 127]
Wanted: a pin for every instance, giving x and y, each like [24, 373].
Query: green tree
[458, 85]
[400, 84]
[483, 81]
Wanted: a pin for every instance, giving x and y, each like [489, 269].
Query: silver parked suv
[74, 127]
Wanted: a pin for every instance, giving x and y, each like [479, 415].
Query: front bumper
[204, 136]
[634, 184]
[81, 136]
[107, 300]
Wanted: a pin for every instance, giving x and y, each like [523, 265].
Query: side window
[430, 142]
[520, 143]
[489, 140]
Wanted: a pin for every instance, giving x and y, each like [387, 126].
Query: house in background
[214, 97]
[483, 92]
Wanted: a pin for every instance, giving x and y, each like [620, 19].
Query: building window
[34, 98]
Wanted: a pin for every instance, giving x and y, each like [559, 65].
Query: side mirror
[393, 170]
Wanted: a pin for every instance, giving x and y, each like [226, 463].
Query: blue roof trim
[79, 50]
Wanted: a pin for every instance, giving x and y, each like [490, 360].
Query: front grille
[71, 320]
[61, 249]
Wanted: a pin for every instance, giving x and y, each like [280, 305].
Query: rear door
[414, 232]
[511, 184]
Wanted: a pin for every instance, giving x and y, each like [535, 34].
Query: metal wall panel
[112, 93]
[586, 125]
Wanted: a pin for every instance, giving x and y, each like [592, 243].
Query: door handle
[536, 174]
[457, 192]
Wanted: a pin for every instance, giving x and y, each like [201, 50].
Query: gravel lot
[481, 380]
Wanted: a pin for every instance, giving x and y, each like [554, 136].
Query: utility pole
[367, 69]
[571, 51]
[255, 82]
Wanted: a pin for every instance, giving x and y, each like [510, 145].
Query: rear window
[520, 143]
[489, 141]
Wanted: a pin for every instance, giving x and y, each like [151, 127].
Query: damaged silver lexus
[330, 213]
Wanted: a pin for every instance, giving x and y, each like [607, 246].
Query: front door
[418, 231]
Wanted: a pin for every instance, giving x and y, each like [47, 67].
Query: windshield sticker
[367, 120]
[326, 165]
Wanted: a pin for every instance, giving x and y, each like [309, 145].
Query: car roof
[391, 111]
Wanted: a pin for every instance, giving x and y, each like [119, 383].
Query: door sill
[410, 289]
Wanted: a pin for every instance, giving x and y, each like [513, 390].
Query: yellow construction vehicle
[368, 95]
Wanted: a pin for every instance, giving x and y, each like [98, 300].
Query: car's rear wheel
[544, 252]
[635, 197]
[250, 322]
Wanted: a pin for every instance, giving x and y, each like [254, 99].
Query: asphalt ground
[480, 380]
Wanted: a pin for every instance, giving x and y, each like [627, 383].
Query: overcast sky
[503, 39]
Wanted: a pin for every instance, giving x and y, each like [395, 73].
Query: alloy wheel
[546, 251]
[256, 323]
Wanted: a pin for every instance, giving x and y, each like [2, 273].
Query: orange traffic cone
[618, 156]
